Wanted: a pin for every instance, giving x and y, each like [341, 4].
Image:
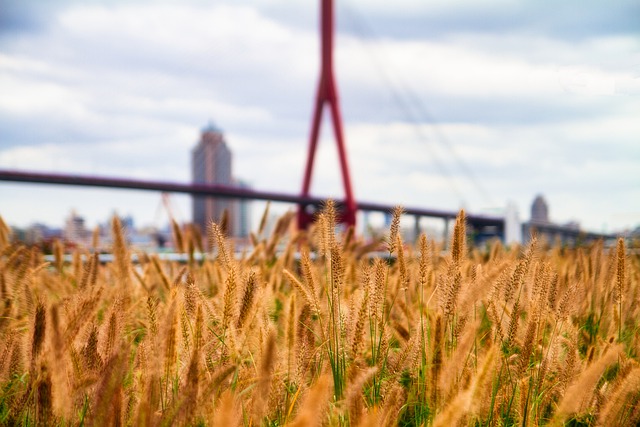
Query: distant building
[512, 225]
[128, 223]
[35, 233]
[539, 211]
[572, 225]
[74, 229]
[211, 164]
[242, 214]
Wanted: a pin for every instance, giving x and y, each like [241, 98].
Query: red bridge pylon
[328, 94]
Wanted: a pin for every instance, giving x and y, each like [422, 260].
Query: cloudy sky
[446, 104]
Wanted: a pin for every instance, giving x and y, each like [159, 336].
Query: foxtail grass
[536, 335]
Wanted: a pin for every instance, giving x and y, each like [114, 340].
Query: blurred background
[446, 104]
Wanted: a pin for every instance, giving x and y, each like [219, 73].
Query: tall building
[539, 210]
[211, 164]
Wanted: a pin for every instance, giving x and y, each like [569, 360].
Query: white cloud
[123, 89]
[28, 97]
[454, 69]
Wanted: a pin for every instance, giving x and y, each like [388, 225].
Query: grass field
[527, 336]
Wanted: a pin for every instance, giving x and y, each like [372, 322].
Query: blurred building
[39, 234]
[211, 164]
[512, 224]
[539, 211]
[35, 233]
[128, 223]
[242, 214]
[74, 229]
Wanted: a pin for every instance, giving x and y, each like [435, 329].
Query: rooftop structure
[539, 211]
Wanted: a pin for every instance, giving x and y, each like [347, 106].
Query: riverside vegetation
[529, 336]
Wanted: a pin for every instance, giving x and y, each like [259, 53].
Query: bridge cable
[414, 109]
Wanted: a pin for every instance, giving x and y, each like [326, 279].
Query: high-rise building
[211, 164]
[539, 210]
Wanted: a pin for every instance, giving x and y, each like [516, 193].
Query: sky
[446, 104]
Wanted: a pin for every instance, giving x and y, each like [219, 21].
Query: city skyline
[516, 99]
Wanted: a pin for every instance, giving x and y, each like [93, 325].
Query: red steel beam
[162, 186]
[221, 191]
[248, 194]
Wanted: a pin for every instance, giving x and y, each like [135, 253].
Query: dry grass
[527, 336]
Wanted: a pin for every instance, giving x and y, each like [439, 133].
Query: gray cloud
[22, 16]
[568, 20]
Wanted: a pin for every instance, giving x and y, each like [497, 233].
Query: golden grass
[528, 336]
